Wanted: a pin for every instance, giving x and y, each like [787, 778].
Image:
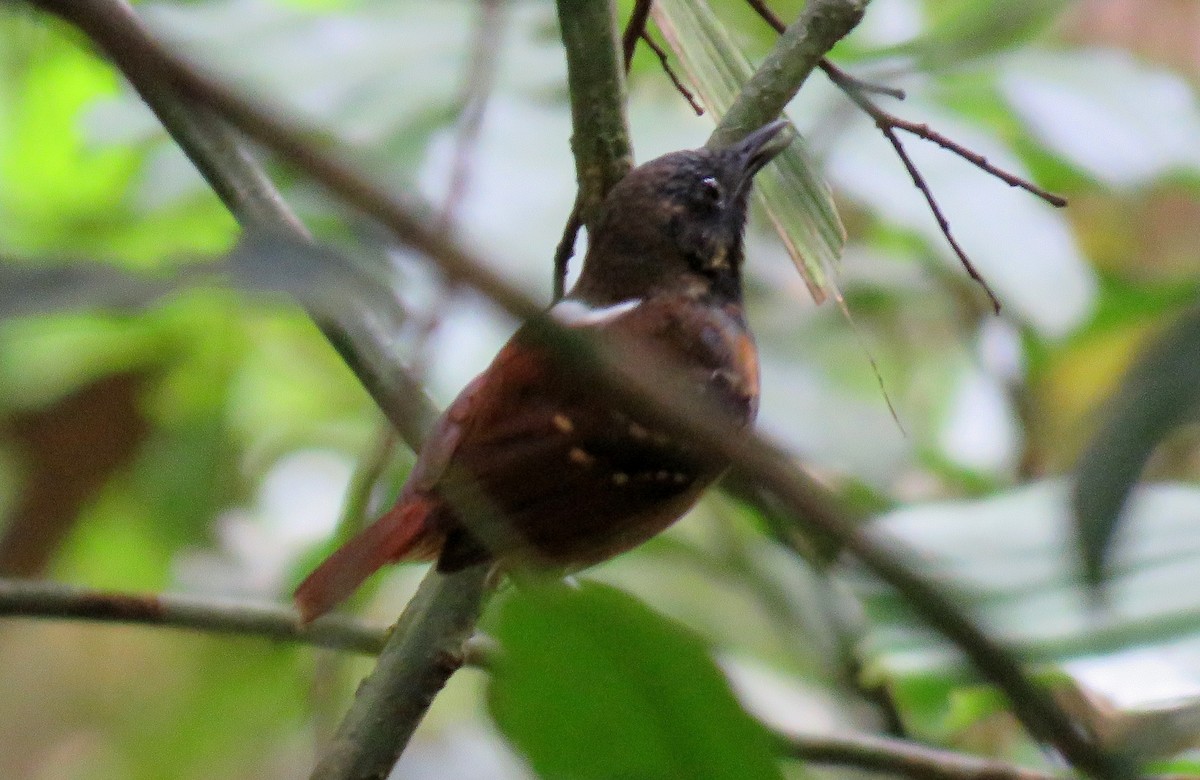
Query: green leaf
[593, 684]
[791, 189]
[1159, 393]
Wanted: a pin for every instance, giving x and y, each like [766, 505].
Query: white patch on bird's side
[575, 313]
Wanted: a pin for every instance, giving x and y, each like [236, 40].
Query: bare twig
[565, 250]
[635, 28]
[854, 89]
[919, 182]
[857, 90]
[903, 758]
[666, 66]
[650, 390]
[36, 599]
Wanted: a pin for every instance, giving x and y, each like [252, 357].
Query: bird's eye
[710, 190]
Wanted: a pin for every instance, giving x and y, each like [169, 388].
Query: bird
[534, 466]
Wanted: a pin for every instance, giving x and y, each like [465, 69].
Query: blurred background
[165, 429]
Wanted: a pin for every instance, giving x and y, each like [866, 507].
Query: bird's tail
[401, 533]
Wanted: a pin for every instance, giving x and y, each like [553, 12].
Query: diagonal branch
[799, 49]
[769, 464]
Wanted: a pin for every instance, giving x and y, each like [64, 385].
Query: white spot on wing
[575, 313]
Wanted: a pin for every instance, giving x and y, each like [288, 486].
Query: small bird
[567, 477]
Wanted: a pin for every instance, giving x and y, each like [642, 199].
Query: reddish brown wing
[568, 477]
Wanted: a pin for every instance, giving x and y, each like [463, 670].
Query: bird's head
[675, 224]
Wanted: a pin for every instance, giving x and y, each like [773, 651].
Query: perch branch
[425, 644]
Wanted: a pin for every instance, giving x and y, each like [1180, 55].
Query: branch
[599, 130]
[596, 82]
[635, 29]
[911, 759]
[799, 48]
[424, 649]
[45, 600]
[37, 599]
[903, 758]
[768, 463]
[661, 53]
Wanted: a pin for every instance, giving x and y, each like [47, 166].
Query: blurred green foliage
[248, 426]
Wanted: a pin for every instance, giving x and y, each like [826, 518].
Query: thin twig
[857, 90]
[649, 388]
[919, 181]
[635, 28]
[666, 66]
[903, 758]
[854, 88]
[37, 599]
[922, 130]
[565, 250]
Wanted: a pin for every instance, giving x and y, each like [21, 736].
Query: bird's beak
[760, 147]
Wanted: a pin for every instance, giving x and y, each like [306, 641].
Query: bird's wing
[557, 459]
